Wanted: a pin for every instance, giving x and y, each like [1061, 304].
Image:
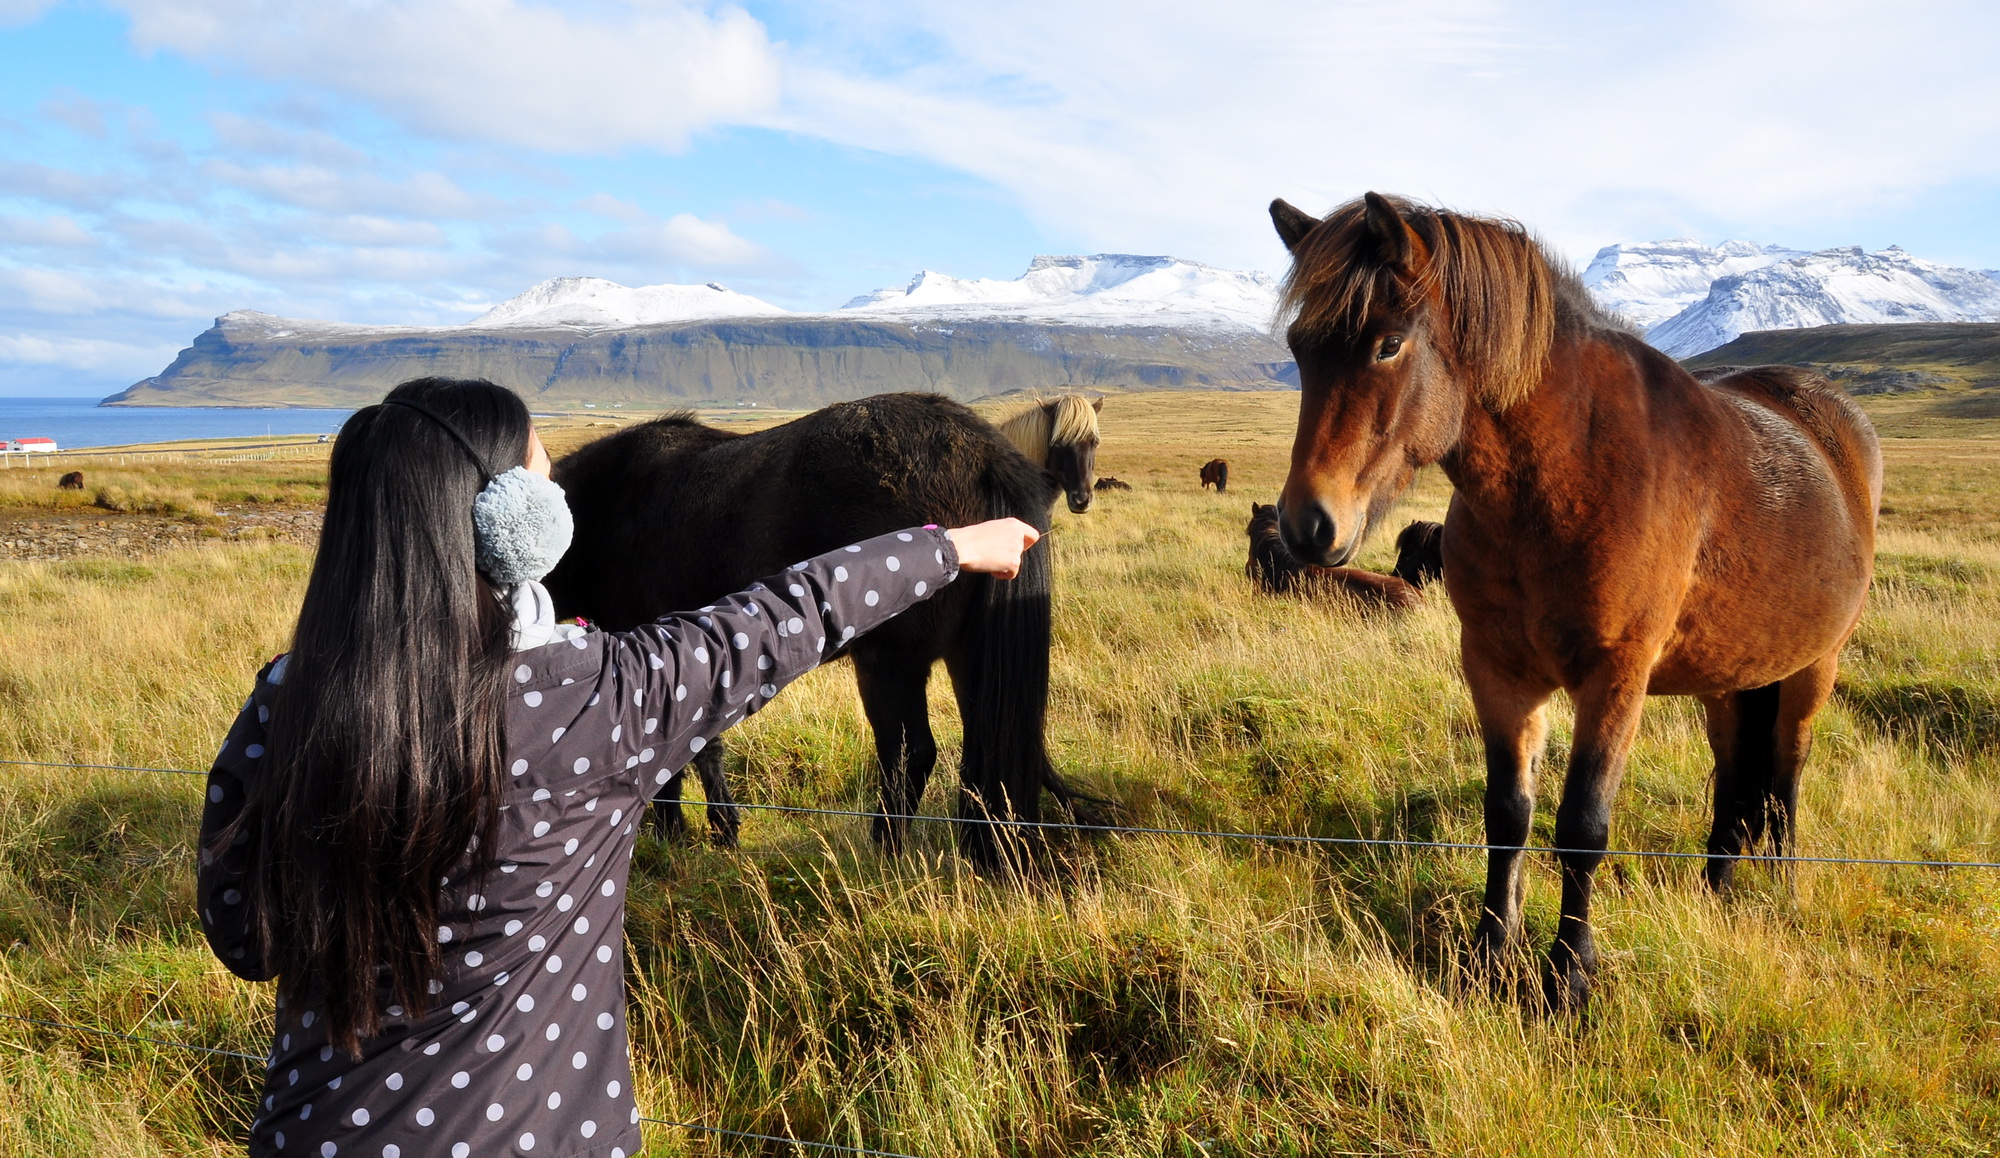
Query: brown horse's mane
[1505, 297]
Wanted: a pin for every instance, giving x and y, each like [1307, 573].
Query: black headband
[485, 473]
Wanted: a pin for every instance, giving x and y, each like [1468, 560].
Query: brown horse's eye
[1390, 345]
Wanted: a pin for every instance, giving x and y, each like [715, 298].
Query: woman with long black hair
[422, 820]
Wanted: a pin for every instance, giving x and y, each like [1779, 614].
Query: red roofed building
[27, 445]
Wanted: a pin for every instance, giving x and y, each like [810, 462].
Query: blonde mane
[1064, 420]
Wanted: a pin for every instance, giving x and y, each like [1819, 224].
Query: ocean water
[80, 422]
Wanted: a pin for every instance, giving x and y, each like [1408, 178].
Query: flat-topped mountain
[1105, 320]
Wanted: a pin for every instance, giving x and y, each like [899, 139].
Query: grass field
[1170, 996]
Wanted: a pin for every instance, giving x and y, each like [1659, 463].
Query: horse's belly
[1750, 635]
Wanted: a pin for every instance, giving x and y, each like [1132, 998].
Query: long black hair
[383, 768]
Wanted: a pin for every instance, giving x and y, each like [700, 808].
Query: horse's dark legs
[668, 820]
[893, 697]
[1514, 721]
[1607, 719]
[1767, 733]
[723, 820]
[1801, 695]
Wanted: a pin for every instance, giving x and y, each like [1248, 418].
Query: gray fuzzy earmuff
[520, 527]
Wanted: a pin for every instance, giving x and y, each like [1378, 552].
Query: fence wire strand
[1227, 834]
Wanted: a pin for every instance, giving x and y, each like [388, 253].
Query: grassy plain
[1173, 996]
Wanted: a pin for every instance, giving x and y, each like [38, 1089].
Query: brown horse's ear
[1293, 223]
[1097, 404]
[1386, 226]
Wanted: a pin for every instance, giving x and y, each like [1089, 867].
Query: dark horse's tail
[1006, 763]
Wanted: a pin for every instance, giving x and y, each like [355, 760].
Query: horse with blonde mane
[1061, 434]
[1619, 529]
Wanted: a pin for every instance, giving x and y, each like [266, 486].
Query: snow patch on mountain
[592, 303]
[1115, 289]
[1845, 286]
[1652, 281]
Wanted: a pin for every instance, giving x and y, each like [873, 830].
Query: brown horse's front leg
[1514, 722]
[1607, 719]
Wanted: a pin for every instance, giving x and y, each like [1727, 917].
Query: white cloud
[1149, 125]
[95, 354]
[562, 80]
[332, 189]
[18, 12]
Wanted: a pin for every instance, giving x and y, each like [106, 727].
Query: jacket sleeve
[221, 891]
[707, 669]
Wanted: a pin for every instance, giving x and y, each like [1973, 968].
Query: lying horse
[1107, 483]
[672, 514]
[1420, 553]
[1215, 472]
[1275, 569]
[1618, 529]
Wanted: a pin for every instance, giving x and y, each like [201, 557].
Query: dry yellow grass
[1170, 996]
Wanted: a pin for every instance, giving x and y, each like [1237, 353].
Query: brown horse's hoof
[1566, 985]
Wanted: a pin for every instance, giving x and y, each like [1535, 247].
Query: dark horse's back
[671, 514]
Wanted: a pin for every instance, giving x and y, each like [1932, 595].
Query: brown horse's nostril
[1309, 533]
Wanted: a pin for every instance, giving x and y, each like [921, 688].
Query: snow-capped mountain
[1832, 287]
[1652, 281]
[1117, 289]
[596, 304]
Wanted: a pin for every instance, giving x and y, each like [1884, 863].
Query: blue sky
[415, 161]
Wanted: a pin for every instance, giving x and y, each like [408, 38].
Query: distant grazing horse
[1215, 471]
[1420, 553]
[1618, 529]
[1107, 483]
[73, 481]
[1275, 569]
[1061, 434]
[671, 514]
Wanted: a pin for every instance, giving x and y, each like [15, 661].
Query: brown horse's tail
[1006, 762]
[1747, 792]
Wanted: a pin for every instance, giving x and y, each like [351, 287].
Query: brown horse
[73, 481]
[1275, 569]
[1420, 553]
[1215, 471]
[1107, 483]
[1619, 529]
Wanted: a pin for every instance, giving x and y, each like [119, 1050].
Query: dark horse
[1619, 529]
[1420, 553]
[73, 481]
[1215, 472]
[671, 514]
[1274, 568]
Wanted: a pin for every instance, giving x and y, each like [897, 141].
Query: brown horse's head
[1401, 315]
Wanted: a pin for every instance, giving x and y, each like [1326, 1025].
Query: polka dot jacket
[523, 1050]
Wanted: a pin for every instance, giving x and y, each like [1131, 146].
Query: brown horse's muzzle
[1079, 501]
[1313, 534]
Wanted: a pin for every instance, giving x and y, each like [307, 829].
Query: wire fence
[1271, 838]
[1279, 838]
